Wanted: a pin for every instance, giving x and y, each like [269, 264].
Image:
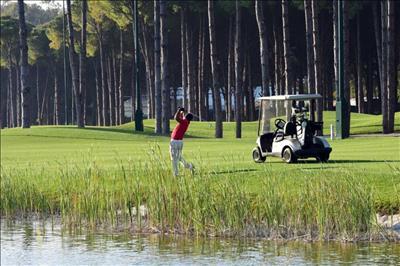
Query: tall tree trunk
[204, 77]
[152, 88]
[157, 68]
[360, 88]
[277, 69]
[104, 93]
[148, 67]
[330, 62]
[82, 64]
[10, 104]
[98, 96]
[45, 97]
[245, 81]
[229, 117]
[121, 79]
[7, 105]
[18, 91]
[74, 69]
[309, 44]
[330, 85]
[3, 105]
[183, 52]
[25, 93]
[57, 101]
[200, 82]
[116, 87]
[150, 52]
[378, 40]
[325, 64]
[145, 48]
[37, 94]
[301, 85]
[262, 30]
[286, 47]
[346, 65]
[281, 64]
[133, 90]
[215, 71]
[148, 90]
[110, 92]
[287, 52]
[384, 46]
[317, 61]
[335, 45]
[238, 71]
[250, 106]
[369, 84]
[165, 93]
[189, 65]
[355, 76]
[13, 117]
[391, 68]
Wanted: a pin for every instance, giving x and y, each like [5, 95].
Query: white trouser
[175, 149]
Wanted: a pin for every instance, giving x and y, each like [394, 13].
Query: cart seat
[290, 129]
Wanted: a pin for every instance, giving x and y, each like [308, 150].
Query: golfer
[176, 143]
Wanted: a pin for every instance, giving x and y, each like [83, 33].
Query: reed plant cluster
[144, 196]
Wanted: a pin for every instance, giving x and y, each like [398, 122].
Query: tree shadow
[66, 137]
[373, 125]
[148, 131]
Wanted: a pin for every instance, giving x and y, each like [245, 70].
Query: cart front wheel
[257, 157]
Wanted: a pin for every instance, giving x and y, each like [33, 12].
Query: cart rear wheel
[323, 158]
[288, 155]
[257, 157]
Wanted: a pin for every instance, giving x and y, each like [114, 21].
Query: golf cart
[287, 129]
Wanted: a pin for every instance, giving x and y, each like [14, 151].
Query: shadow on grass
[335, 164]
[332, 162]
[233, 171]
[319, 168]
[362, 161]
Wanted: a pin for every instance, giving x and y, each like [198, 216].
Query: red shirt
[180, 128]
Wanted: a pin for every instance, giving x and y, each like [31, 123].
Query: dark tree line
[213, 57]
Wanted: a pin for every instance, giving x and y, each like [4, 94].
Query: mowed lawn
[373, 159]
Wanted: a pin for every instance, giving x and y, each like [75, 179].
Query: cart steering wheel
[280, 123]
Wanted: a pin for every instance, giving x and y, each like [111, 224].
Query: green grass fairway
[374, 159]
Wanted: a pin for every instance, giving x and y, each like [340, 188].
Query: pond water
[32, 242]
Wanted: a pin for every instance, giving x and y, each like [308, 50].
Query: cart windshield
[270, 110]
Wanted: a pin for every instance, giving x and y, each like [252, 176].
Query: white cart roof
[296, 97]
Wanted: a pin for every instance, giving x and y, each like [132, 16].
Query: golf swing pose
[176, 143]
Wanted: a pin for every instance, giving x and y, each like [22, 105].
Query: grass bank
[98, 176]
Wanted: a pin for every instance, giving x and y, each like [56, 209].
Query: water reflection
[38, 242]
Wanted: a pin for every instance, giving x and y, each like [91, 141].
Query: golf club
[201, 120]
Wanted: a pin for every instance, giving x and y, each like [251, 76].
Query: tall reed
[144, 195]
